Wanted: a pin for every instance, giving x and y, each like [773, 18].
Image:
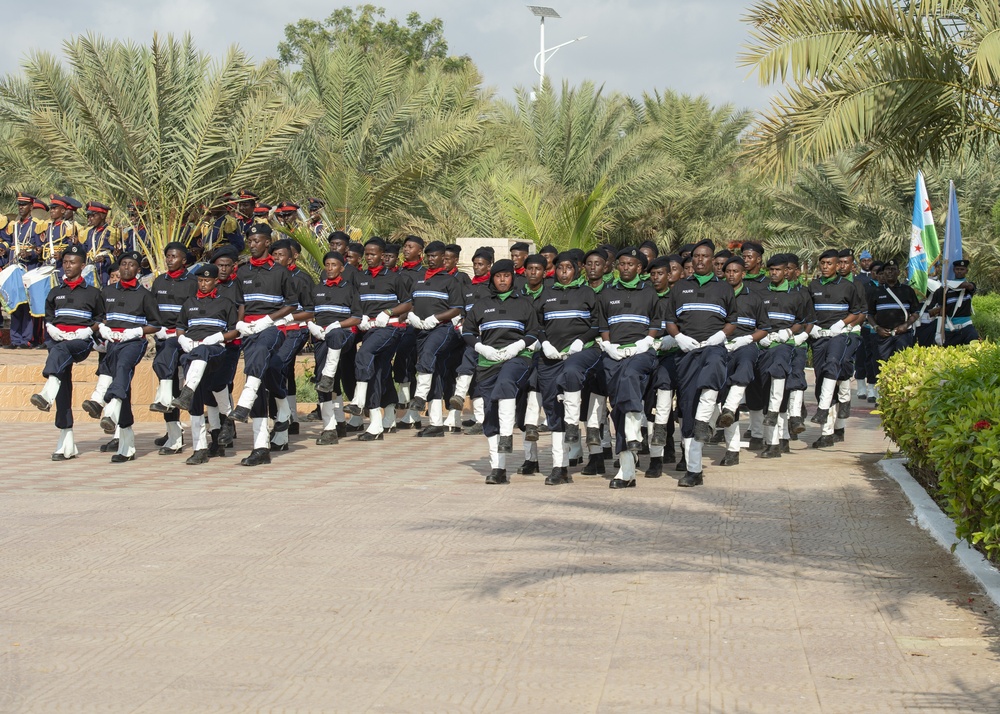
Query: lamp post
[541, 13]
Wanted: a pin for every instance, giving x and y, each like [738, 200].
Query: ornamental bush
[986, 316]
[942, 408]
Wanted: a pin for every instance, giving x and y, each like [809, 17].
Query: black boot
[796, 425]
[113, 445]
[215, 448]
[473, 430]
[559, 476]
[655, 469]
[326, 384]
[531, 432]
[621, 483]
[785, 448]
[417, 404]
[341, 429]
[595, 466]
[689, 479]
[257, 457]
[727, 418]
[659, 435]
[505, 445]
[838, 435]
[430, 431]
[108, 425]
[756, 443]
[844, 410]
[718, 437]
[669, 456]
[731, 458]
[593, 437]
[572, 434]
[823, 442]
[682, 465]
[199, 457]
[821, 416]
[328, 437]
[184, 401]
[93, 409]
[773, 451]
[497, 476]
[770, 419]
[528, 468]
[456, 402]
[702, 431]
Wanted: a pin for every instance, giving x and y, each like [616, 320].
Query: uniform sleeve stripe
[781, 316]
[702, 307]
[638, 319]
[122, 317]
[502, 325]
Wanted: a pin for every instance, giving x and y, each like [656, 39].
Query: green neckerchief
[608, 277]
[644, 276]
[738, 290]
[703, 279]
[599, 288]
[504, 296]
[827, 281]
[782, 287]
[664, 293]
[756, 276]
[631, 284]
[849, 276]
[580, 280]
[534, 293]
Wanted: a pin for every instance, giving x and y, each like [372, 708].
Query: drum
[12, 292]
[37, 283]
[90, 276]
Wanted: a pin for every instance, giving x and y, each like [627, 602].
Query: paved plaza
[388, 578]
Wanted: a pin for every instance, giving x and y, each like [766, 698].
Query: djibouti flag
[924, 246]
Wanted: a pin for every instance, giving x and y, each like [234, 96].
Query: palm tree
[163, 123]
[909, 81]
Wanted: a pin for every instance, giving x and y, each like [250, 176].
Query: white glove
[216, 338]
[457, 320]
[84, 333]
[766, 342]
[382, 319]
[719, 338]
[687, 344]
[574, 347]
[186, 343]
[642, 345]
[667, 342]
[413, 321]
[106, 332]
[55, 333]
[837, 328]
[431, 322]
[161, 334]
[366, 323]
[549, 350]
[244, 328]
[490, 353]
[286, 320]
[800, 338]
[938, 338]
[739, 342]
[511, 351]
[783, 335]
[260, 325]
[612, 350]
[315, 330]
[627, 351]
[329, 328]
[132, 333]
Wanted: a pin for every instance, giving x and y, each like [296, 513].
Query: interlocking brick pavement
[387, 577]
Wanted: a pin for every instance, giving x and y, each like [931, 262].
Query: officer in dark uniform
[892, 310]
[404, 365]
[958, 327]
[477, 289]
[453, 422]
[845, 269]
[72, 312]
[207, 322]
[530, 402]
[502, 329]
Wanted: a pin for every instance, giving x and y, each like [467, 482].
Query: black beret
[633, 252]
[599, 252]
[415, 239]
[661, 261]
[392, 248]
[755, 247]
[520, 245]
[296, 246]
[961, 264]
[435, 246]
[333, 255]
[549, 249]
[375, 240]
[486, 255]
[793, 259]
[707, 242]
[652, 246]
[226, 251]
[487, 249]
[260, 229]
[724, 253]
[675, 258]
[283, 244]
[174, 245]
[131, 255]
[567, 256]
[845, 253]
[207, 270]
[453, 248]
[502, 266]
[76, 249]
[831, 253]
[577, 253]
[777, 259]
[686, 248]
[355, 248]
[877, 266]
[338, 235]
[537, 259]
[737, 260]
[891, 263]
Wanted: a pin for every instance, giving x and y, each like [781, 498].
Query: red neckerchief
[261, 262]
[73, 284]
[335, 281]
[452, 271]
[376, 270]
[431, 273]
[411, 264]
[214, 294]
[174, 274]
[230, 279]
[291, 267]
[519, 271]
[551, 273]
[480, 279]
[128, 284]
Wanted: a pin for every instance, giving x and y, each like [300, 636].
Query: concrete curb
[932, 519]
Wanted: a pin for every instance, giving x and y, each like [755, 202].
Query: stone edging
[932, 519]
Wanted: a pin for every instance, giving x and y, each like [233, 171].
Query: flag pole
[944, 265]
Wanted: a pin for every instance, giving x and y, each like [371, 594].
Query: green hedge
[986, 316]
[942, 408]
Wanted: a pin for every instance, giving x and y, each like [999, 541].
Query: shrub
[986, 316]
[942, 408]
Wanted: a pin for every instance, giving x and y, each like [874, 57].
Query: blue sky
[633, 46]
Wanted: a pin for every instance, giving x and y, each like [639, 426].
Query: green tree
[163, 123]
[366, 27]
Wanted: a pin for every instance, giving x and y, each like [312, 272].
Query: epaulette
[114, 235]
[4, 223]
[229, 225]
[42, 226]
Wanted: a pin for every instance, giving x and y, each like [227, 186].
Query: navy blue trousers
[59, 363]
[503, 381]
[558, 376]
[701, 369]
[373, 363]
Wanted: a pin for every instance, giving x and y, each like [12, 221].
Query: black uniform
[959, 329]
[433, 293]
[69, 309]
[170, 293]
[834, 299]
[335, 301]
[891, 306]
[202, 316]
[379, 290]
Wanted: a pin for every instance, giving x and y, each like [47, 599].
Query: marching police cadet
[863, 279]
[788, 316]
[892, 310]
[60, 232]
[404, 364]
[566, 311]
[753, 323]
[753, 256]
[518, 254]
[549, 253]
[756, 278]
[598, 276]
[872, 369]
[838, 306]
[795, 383]
[478, 289]
[268, 301]
[436, 299]
[664, 272]
[845, 269]
[130, 313]
[648, 248]
[337, 313]
[391, 257]
[535, 267]
[99, 239]
[72, 311]
[316, 224]
[958, 326]
[502, 329]
[339, 243]
[219, 402]
[453, 421]
[701, 319]
[24, 247]
[356, 256]
[285, 252]
[381, 328]
[628, 319]
[170, 290]
[207, 322]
